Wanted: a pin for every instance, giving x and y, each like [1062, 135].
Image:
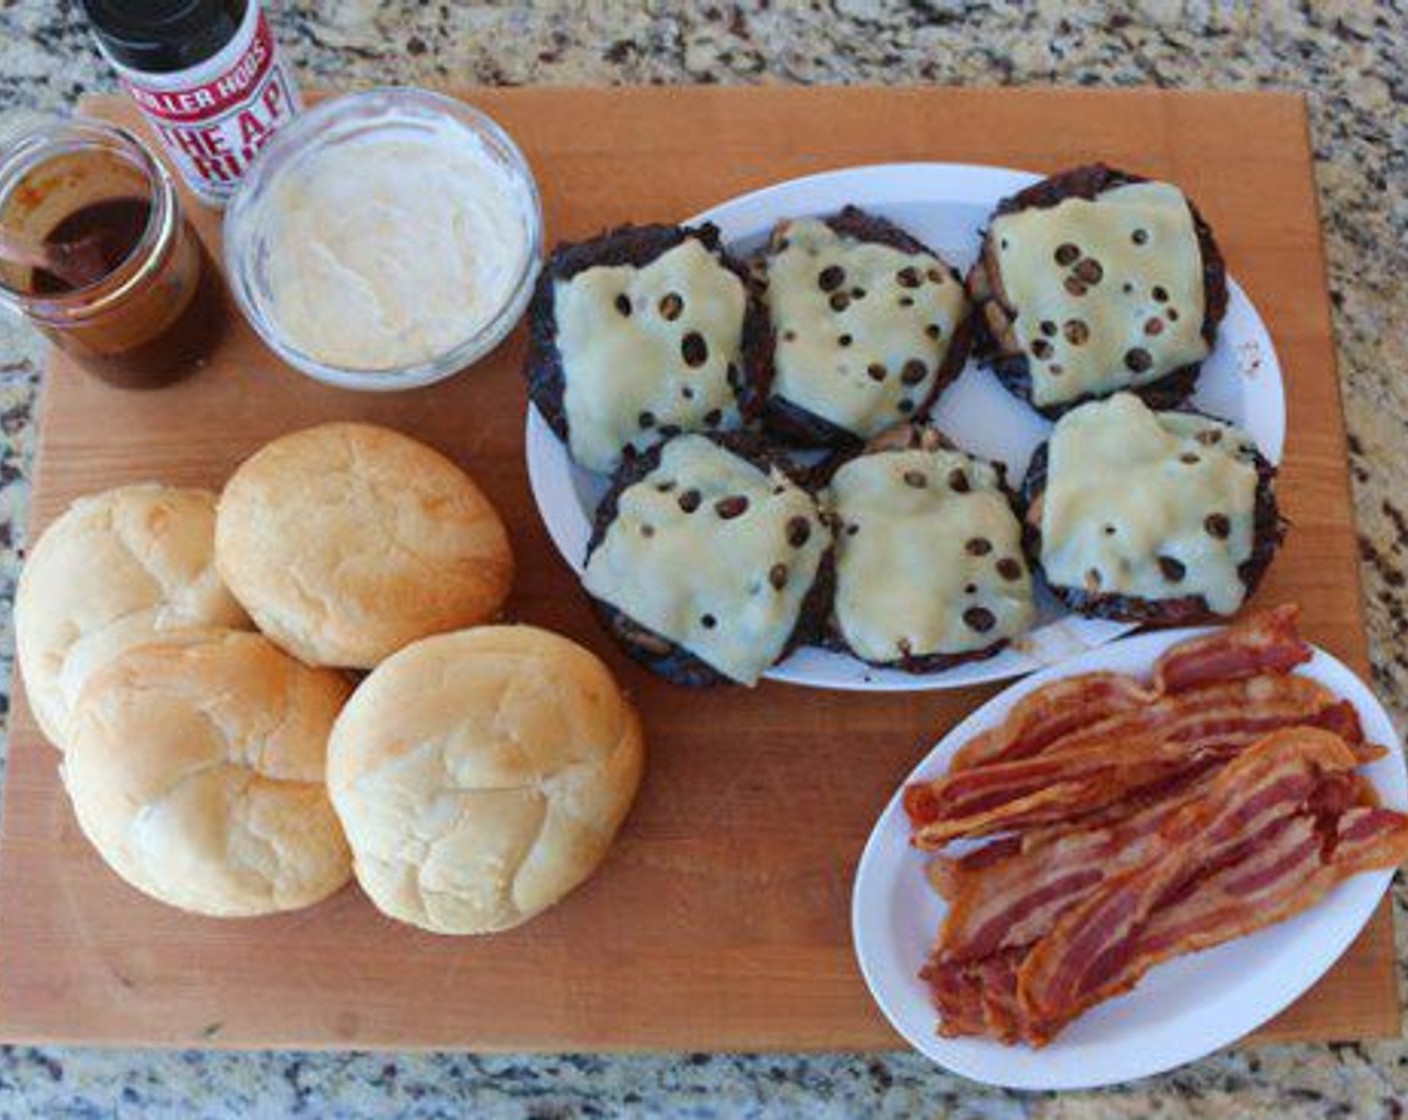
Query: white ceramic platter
[945, 205]
[1182, 1010]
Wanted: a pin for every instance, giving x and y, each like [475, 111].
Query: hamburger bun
[196, 769]
[345, 542]
[480, 776]
[115, 569]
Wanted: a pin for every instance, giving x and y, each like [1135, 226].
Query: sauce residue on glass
[155, 342]
[109, 229]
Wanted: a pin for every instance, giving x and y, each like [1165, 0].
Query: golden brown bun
[196, 768]
[480, 776]
[347, 541]
[113, 570]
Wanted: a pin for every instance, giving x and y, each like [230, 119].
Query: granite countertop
[1349, 56]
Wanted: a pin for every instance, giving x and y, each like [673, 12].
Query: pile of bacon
[1140, 820]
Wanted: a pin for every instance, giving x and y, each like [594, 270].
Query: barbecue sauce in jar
[146, 305]
[111, 227]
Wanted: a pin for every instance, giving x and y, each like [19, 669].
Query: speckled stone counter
[1349, 56]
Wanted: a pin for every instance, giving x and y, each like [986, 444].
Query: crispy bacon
[1369, 838]
[1119, 757]
[1043, 717]
[1259, 855]
[1239, 711]
[1142, 821]
[978, 998]
[1272, 881]
[957, 992]
[1264, 644]
[1016, 795]
[1014, 900]
[1045, 930]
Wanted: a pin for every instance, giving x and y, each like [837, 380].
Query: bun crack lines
[196, 769]
[347, 541]
[482, 775]
[114, 570]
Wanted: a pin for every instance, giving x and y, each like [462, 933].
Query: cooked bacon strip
[1185, 782]
[946, 874]
[1019, 900]
[1242, 711]
[1273, 881]
[1016, 795]
[1281, 877]
[957, 992]
[1259, 856]
[1264, 644]
[1042, 717]
[1120, 757]
[1361, 840]
[978, 998]
[1013, 901]
[1341, 719]
[1368, 839]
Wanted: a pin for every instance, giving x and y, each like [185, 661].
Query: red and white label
[214, 118]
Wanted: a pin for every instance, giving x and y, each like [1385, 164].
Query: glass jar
[155, 308]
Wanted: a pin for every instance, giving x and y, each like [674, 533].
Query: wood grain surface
[720, 921]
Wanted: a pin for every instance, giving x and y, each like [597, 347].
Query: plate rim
[881, 184]
[1359, 896]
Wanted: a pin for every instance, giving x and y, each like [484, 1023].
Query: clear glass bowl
[337, 121]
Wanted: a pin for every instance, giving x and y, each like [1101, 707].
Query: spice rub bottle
[207, 76]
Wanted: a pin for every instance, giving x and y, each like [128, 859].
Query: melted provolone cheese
[646, 351]
[1148, 504]
[713, 554]
[928, 556]
[1108, 293]
[860, 329]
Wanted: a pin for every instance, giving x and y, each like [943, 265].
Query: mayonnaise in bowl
[386, 239]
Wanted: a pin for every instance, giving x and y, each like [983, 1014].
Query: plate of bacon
[1120, 866]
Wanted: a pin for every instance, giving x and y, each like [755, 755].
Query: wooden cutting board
[720, 921]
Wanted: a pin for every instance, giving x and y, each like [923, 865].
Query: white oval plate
[1182, 1010]
[944, 205]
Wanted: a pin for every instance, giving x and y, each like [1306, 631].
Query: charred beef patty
[929, 564]
[640, 334]
[1152, 517]
[1095, 281]
[868, 327]
[709, 562]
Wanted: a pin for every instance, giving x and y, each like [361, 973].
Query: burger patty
[661, 655]
[1268, 531]
[920, 437]
[995, 341]
[637, 247]
[802, 427]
